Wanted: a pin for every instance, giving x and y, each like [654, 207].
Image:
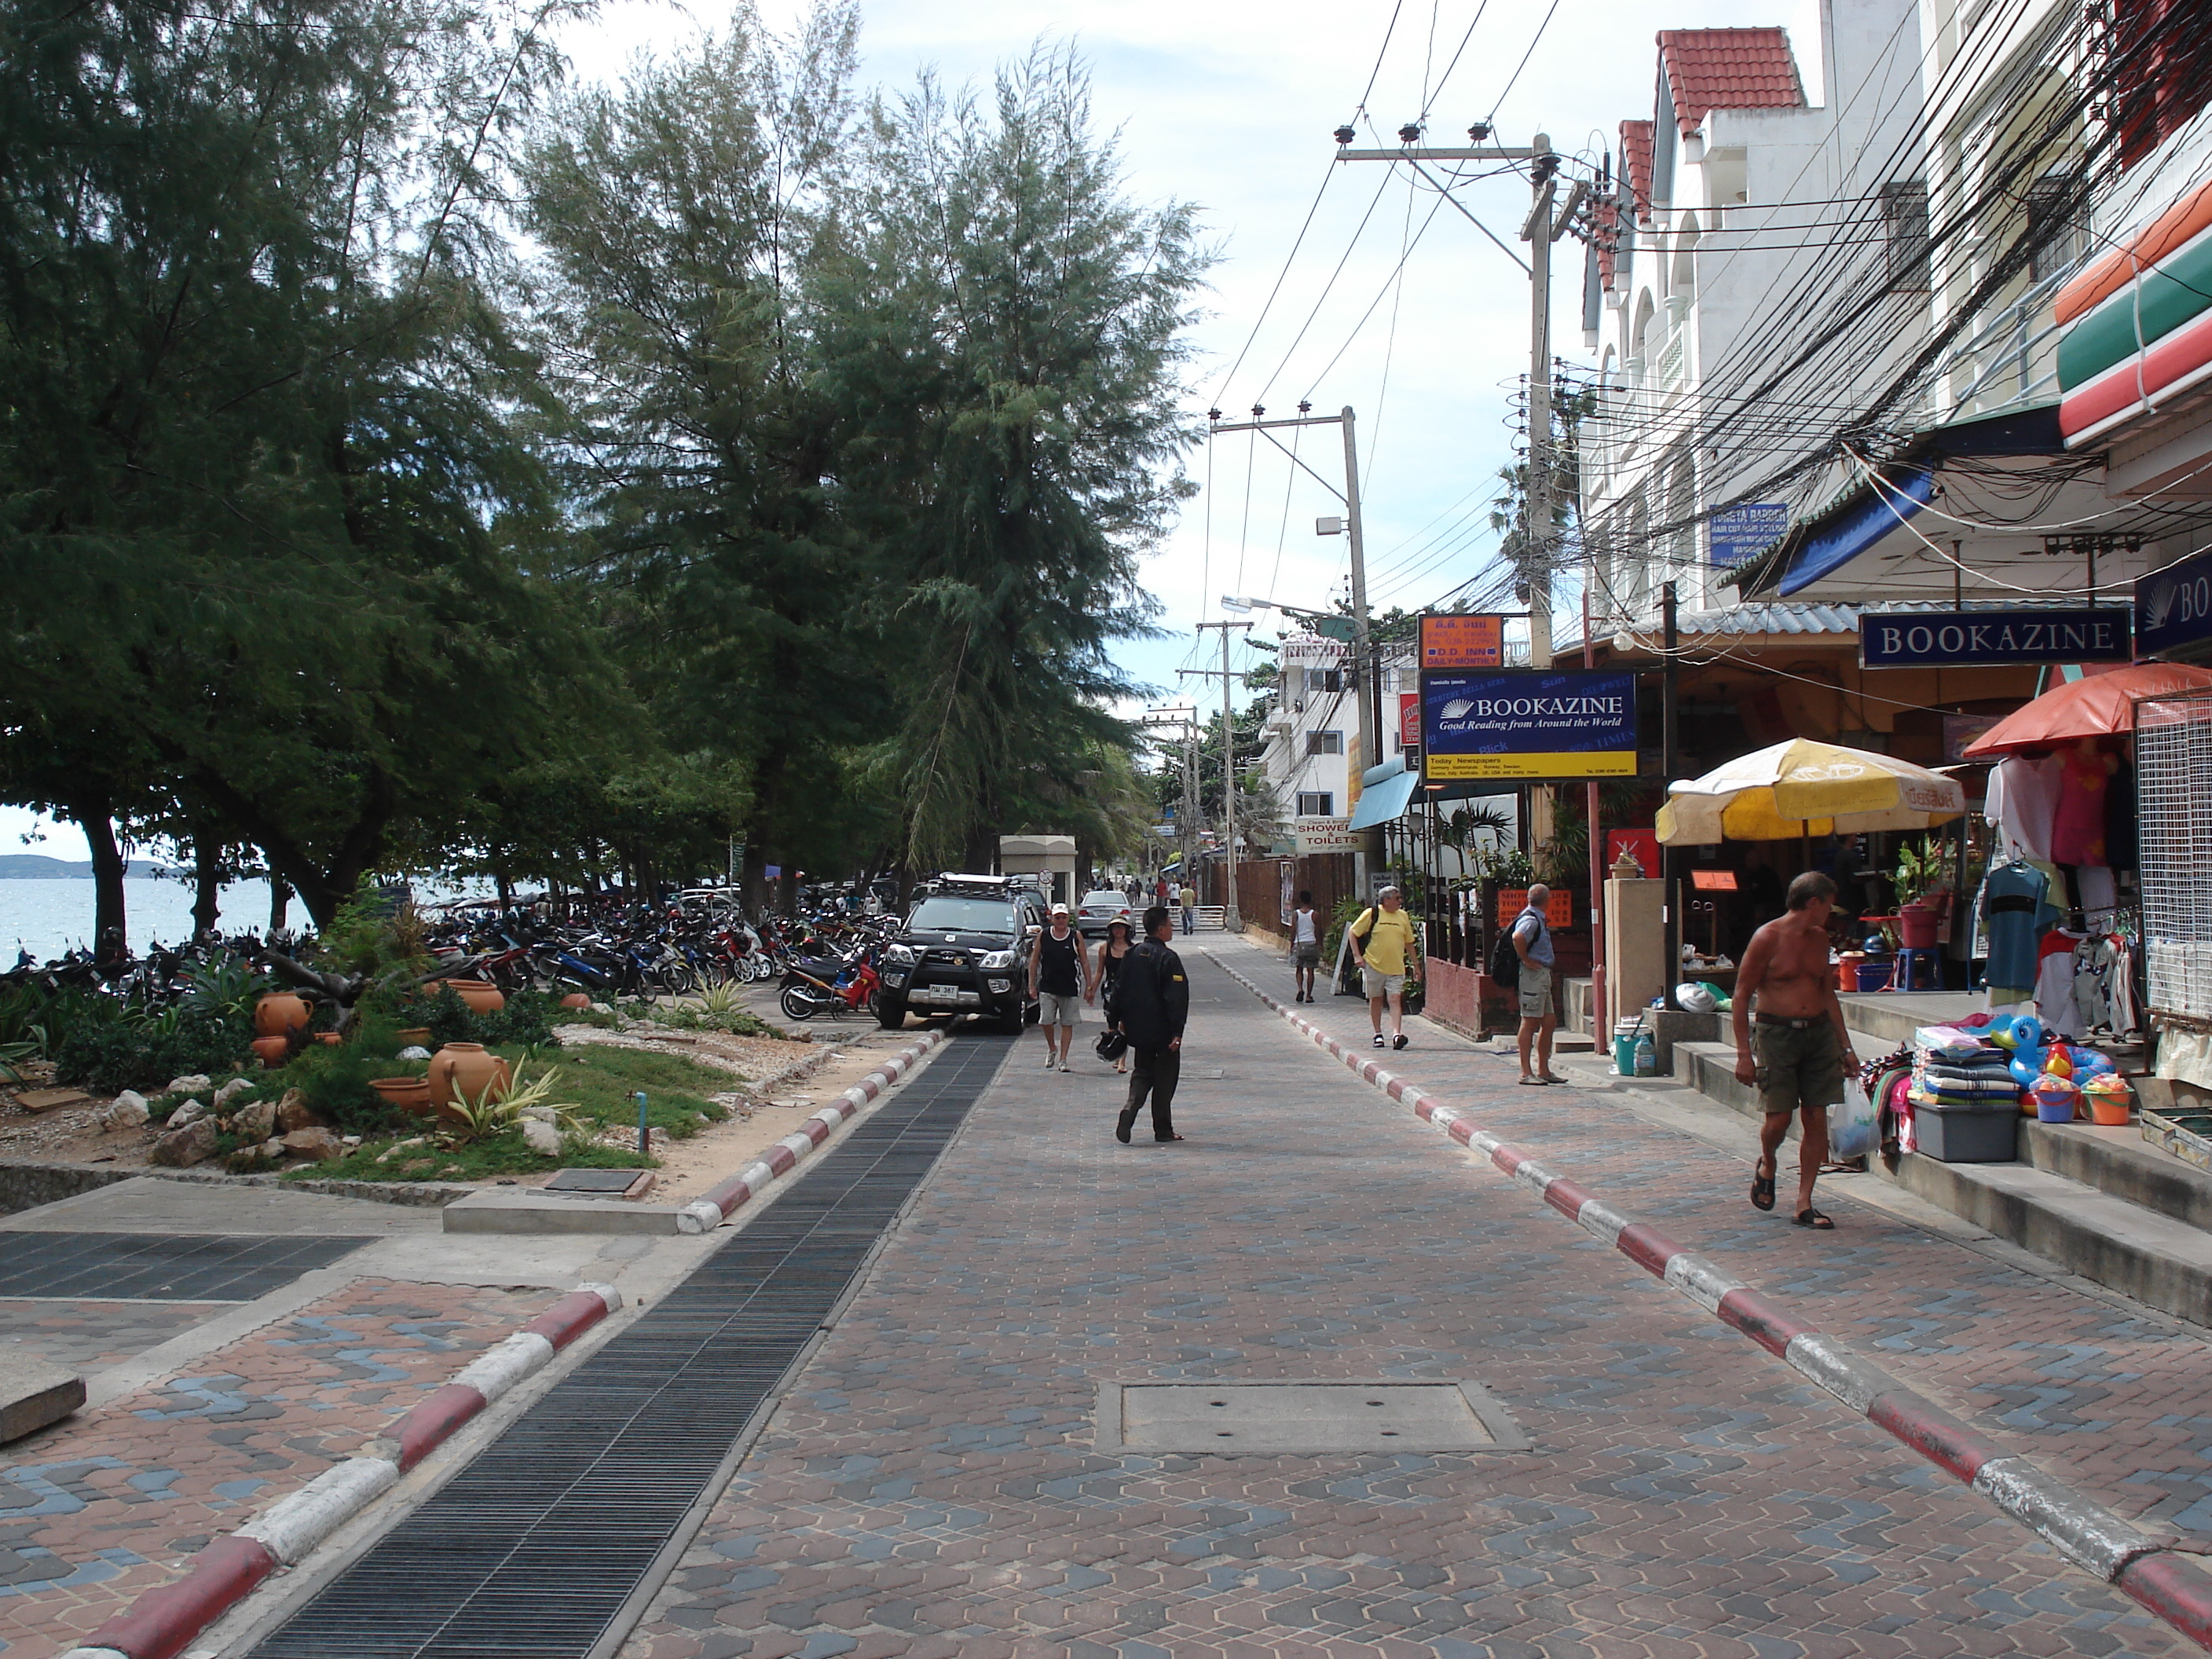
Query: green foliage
[332, 1079]
[226, 985]
[441, 1011]
[527, 1019]
[1921, 869]
[111, 1055]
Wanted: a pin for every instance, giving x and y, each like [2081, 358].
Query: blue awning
[1884, 508]
[1384, 794]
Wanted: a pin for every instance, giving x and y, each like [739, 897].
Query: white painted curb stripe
[2087, 1534]
[498, 1369]
[293, 1526]
[609, 1295]
[699, 1217]
[1840, 1371]
[1699, 1280]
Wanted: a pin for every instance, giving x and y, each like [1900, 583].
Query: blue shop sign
[1742, 533]
[1993, 639]
[2173, 606]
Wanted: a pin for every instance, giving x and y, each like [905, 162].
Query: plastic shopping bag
[1852, 1124]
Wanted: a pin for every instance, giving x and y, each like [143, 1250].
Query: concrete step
[2098, 1202]
[1891, 1016]
[1577, 1007]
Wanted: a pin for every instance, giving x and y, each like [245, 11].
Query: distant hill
[36, 866]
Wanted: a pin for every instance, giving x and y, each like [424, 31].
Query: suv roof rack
[955, 879]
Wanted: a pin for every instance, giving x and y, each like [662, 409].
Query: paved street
[935, 1484]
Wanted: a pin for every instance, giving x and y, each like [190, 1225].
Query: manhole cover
[616, 1182]
[1303, 1418]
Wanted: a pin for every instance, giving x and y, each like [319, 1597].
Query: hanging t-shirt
[2016, 912]
[2077, 825]
[2023, 800]
[2099, 895]
[2054, 984]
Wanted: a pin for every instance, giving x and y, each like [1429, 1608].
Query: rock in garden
[230, 1091]
[190, 1112]
[541, 1137]
[129, 1111]
[415, 1052]
[198, 1083]
[316, 1142]
[292, 1113]
[179, 1148]
[258, 1155]
[257, 1120]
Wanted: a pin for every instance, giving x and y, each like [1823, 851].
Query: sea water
[50, 916]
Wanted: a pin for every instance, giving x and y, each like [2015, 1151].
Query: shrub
[333, 1083]
[111, 1055]
[527, 1019]
[444, 1012]
[109, 1058]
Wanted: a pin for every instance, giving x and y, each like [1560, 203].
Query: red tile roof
[1636, 166]
[1728, 69]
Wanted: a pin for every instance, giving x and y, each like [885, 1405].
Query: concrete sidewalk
[2112, 1396]
[937, 1479]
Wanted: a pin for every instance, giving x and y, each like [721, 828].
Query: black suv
[963, 950]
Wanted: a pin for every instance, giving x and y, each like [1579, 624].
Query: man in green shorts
[1795, 1046]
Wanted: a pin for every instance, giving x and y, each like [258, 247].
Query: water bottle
[1647, 1056]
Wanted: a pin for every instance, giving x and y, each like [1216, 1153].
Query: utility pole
[1183, 719]
[1231, 918]
[1367, 700]
[1670, 759]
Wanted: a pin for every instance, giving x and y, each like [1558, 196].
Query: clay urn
[277, 1012]
[479, 996]
[465, 1070]
[330, 1037]
[576, 1000]
[272, 1050]
[409, 1094]
[414, 1037]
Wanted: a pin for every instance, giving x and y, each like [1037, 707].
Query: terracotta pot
[272, 1050]
[411, 1094]
[466, 1069]
[479, 996]
[330, 1037]
[277, 1012]
[1917, 923]
[414, 1037]
[576, 1000]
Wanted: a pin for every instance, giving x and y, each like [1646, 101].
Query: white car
[1097, 912]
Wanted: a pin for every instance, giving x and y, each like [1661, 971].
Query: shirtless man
[1797, 1055]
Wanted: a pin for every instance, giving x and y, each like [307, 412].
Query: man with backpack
[1385, 946]
[1529, 941]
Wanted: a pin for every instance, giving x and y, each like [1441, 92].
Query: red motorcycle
[851, 991]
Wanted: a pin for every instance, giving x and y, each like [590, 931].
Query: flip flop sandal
[1815, 1220]
[1532, 1083]
[1762, 1191]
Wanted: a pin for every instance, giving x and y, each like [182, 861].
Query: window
[1324, 679]
[1324, 743]
[1316, 804]
[1905, 227]
[2057, 223]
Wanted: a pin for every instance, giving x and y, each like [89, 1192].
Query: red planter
[1916, 925]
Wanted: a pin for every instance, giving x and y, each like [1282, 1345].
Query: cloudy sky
[1230, 105]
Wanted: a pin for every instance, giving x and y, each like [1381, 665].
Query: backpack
[1504, 960]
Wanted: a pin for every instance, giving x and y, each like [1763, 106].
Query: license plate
[945, 994]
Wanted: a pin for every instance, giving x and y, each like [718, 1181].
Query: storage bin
[1874, 976]
[1958, 1132]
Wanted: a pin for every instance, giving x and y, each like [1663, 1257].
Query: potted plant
[1919, 872]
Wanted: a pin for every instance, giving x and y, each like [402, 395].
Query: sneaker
[1378, 1040]
[1399, 1041]
[1063, 1065]
[1049, 1062]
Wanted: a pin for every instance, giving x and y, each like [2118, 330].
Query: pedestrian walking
[1383, 943]
[1189, 896]
[1790, 1039]
[1113, 951]
[1153, 1001]
[1305, 947]
[1540, 1016]
[1162, 893]
[1056, 980]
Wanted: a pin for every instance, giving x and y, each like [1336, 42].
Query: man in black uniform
[1154, 1005]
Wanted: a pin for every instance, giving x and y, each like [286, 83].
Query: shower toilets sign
[1528, 725]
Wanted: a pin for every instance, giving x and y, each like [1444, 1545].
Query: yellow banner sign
[1596, 764]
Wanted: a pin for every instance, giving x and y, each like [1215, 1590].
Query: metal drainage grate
[604, 1183]
[159, 1267]
[1279, 1419]
[534, 1547]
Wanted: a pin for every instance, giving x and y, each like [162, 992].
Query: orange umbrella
[2099, 706]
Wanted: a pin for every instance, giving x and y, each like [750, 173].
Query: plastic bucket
[1847, 969]
[2054, 1111]
[1875, 975]
[1624, 1055]
[1915, 924]
[2112, 1114]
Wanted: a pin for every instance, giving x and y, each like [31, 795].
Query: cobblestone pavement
[2113, 1397]
[932, 1484]
[92, 1335]
[110, 1502]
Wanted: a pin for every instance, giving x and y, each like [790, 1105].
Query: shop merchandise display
[1984, 1063]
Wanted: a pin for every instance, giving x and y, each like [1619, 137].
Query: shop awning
[1878, 511]
[1384, 794]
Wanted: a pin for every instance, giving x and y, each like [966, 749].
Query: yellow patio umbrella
[1802, 788]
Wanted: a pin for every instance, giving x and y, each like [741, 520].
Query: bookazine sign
[1527, 723]
[1993, 639]
[2173, 607]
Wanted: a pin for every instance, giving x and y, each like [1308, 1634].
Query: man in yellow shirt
[1384, 945]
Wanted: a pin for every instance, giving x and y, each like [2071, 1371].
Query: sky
[1230, 105]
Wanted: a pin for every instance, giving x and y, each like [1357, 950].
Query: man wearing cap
[1056, 981]
[1385, 946]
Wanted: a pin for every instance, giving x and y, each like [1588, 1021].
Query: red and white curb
[161, 1623]
[724, 1199]
[2169, 1582]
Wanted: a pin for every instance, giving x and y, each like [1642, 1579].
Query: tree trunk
[752, 879]
[207, 885]
[91, 816]
[280, 902]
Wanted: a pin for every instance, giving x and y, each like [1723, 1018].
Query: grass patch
[503, 1155]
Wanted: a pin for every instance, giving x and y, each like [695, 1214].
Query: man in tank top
[1056, 976]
